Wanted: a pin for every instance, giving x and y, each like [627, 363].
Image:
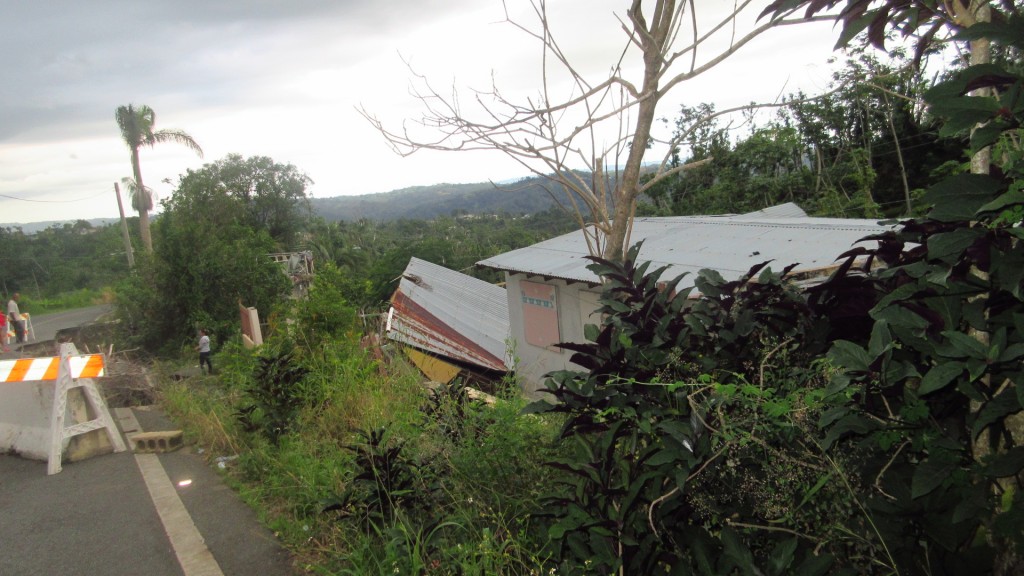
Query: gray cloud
[66, 60]
[271, 77]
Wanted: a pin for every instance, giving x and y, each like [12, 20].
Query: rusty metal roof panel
[450, 314]
[729, 244]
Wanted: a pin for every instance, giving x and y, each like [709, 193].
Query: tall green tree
[864, 148]
[136, 124]
[212, 253]
[271, 196]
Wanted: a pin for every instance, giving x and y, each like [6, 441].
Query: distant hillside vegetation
[526, 196]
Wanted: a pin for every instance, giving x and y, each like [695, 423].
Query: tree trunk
[124, 228]
[653, 42]
[147, 240]
[1008, 559]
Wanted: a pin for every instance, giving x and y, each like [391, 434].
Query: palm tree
[140, 202]
[136, 126]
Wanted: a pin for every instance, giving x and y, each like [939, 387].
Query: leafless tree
[592, 137]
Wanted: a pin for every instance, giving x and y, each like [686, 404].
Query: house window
[540, 314]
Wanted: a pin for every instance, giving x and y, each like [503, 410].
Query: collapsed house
[451, 323]
[552, 295]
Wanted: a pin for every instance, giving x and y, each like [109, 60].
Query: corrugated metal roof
[450, 314]
[787, 210]
[728, 244]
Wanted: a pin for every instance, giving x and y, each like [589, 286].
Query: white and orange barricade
[30, 334]
[31, 428]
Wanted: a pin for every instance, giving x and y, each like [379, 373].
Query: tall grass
[479, 468]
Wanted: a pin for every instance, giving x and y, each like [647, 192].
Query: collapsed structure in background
[552, 295]
[298, 266]
[451, 322]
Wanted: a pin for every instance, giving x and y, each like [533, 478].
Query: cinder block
[151, 442]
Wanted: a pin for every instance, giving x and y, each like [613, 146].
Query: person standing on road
[204, 351]
[14, 317]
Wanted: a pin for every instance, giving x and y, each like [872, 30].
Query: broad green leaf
[850, 424]
[782, 556]
[538, 407]
[976, 368]
[929, 475]
[959, 197]
[902, 317]
[663, 457]
[1009, 31]
[986, 135]
[832, 415]
[1012, 352]
[680, 431]
[705, 563]
[904, 292]
[737, 552]
[955, 88]
[962, 114]
[1007, 464]
[996, 409]
[815, 565]
[896, 371]
[881, 339]
[960, 345]
[850, 356]
[973, 503]
[951, 245]
[940, 376]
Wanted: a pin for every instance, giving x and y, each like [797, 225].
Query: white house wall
[575, 304]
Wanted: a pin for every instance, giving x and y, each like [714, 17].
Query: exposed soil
[125, 382]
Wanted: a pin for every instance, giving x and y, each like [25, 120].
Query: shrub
[686, 405]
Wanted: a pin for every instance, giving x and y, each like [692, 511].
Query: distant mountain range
[33, 227]
[526, 196]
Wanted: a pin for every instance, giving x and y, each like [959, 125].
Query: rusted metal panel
[450, 314]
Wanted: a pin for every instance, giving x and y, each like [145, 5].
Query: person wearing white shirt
[14, 317]
[204, 351]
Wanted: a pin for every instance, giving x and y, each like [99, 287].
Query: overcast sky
[284, 79]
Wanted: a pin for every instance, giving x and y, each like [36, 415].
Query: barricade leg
[58, 432]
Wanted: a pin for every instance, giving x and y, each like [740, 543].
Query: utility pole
[124, 228]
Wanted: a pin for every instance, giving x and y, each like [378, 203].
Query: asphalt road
[112, 515]
[46, 325]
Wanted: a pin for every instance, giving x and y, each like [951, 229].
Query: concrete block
[151, 442]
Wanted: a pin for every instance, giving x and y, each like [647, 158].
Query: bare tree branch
[602, 128]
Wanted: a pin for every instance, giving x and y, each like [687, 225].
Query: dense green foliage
[870, 425]
[372, 255]
[719, 436]
[357, 456]
[61, 258]
[864, 148]
[210, 254]
[693, 433]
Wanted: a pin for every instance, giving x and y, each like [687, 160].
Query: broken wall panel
[450, 314]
